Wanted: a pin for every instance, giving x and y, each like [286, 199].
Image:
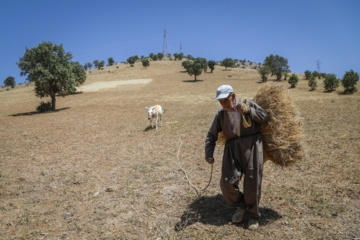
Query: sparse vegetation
[95, 171]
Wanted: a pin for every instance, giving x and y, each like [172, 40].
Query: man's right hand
[210, 160]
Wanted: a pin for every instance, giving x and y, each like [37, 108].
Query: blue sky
[304, 31]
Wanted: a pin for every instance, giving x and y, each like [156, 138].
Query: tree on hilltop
[110, 61]
[228, 63]
[9, 82]
[132, 60]
[50, 68]
[277, 64]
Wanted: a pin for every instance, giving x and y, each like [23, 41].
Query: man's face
[229, 103]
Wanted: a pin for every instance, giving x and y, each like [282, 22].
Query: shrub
[331, 82]
[312, 83]
[145, 63]
[293, 80]
[307, 74]
[44, 107]
[316, 74]
[349, 81]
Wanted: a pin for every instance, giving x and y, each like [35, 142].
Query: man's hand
[243, 108]
[210, 160]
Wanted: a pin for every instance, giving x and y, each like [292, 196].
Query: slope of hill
[94, 169]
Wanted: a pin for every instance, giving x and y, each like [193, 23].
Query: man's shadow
[213, 210]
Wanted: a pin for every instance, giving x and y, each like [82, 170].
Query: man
[243, 153]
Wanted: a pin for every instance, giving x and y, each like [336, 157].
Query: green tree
[88, 65]
[195, 67]
[186, 63]
[110, 61]
[331, 82]
[307, 74]
[293, 80]
[211, 65]
[228, 63]
[145, 63]
[190, 57]
[264, 72]
[9, 82]
[277, 64]
[349, 81]
[160, 56]
[50, 68]
[98, 64]
[131, 60]
[312, 83]
[316, 74]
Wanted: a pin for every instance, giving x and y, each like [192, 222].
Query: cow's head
[151, 111]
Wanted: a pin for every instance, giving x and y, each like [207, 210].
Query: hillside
[94, 169]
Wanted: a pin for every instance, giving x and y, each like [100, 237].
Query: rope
[198, 192]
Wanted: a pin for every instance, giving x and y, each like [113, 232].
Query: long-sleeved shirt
[222, 123]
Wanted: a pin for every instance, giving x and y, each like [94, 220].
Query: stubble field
[94, 169]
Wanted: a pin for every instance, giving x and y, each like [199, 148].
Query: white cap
[223, 92]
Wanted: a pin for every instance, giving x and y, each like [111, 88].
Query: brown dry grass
[94, 170]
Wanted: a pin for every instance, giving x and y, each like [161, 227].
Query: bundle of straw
[283, 134]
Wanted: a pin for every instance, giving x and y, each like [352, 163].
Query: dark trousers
[243, 156]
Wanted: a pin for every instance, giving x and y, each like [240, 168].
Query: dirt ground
[94, 169]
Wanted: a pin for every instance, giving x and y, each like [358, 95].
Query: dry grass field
[94, 169]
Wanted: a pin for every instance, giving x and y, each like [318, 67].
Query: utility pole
[180, 48]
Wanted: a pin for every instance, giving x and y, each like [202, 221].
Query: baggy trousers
[243, 156]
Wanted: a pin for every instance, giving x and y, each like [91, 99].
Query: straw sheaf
[283, 135]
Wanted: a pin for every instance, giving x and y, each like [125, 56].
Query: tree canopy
[9, 82]
[49, 66]
[195, 67]
[277, 64]
[211, 65]
[228, 63]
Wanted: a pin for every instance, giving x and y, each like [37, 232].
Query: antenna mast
[165, 46]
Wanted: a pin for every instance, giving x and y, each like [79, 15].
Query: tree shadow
[193, 81]
[37, 112]
[68, 94]
[213, 210]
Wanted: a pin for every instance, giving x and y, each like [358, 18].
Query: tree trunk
[195, 77]
[53, 101]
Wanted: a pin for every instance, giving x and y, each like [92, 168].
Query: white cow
[155, 112]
